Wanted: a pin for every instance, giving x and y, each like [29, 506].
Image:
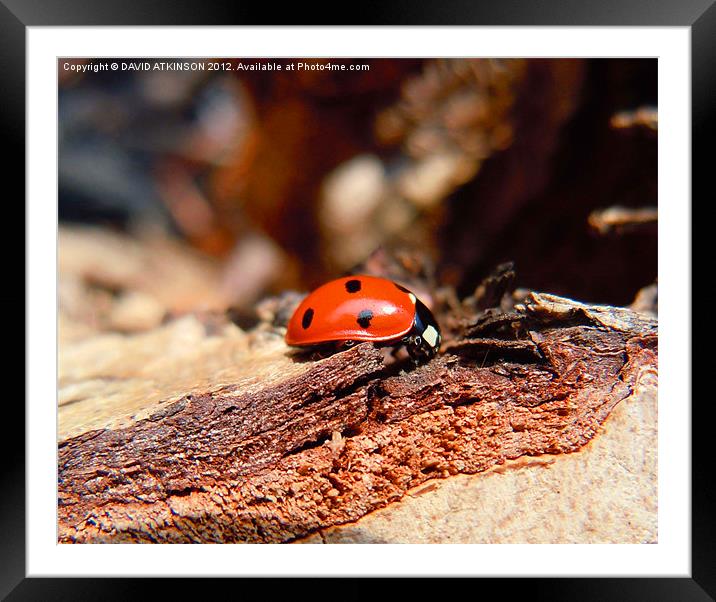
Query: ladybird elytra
[364, 308]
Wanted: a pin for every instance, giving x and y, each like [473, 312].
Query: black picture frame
[699, 15]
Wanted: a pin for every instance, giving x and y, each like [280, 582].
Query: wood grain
[267, 446]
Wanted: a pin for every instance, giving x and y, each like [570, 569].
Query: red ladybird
[364, 308]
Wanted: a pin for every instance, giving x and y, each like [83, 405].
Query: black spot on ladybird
[307, 318]
[364, 318]
[401, 288]
[353, 286]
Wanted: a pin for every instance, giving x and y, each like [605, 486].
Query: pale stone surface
[604, 493]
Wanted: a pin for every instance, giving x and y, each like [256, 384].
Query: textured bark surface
[266, 446]
[606, 492]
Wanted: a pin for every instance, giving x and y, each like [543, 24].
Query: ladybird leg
[396, 350]
[418, 351]
[414, 357]
[326, 350]
[321, 352]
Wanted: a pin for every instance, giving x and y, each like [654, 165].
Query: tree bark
[254, 443]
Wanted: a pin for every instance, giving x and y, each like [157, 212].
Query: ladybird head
[424, 339]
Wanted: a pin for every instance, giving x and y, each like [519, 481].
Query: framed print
[313, 285]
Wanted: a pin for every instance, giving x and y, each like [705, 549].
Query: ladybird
[364, 308]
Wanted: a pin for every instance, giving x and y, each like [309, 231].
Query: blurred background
[209, 190]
